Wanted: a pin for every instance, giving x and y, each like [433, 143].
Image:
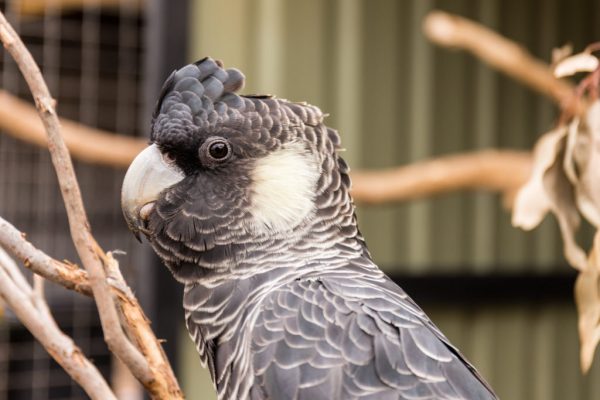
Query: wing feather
[323, 339]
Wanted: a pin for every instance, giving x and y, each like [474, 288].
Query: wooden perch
[151, 369]
[503, 54]
[19, 119]
[39, 7]
[495, 170]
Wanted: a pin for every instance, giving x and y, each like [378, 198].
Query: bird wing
[338, 338]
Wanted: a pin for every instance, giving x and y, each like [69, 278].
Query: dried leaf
[560, 53]
[549, 189]
[571, 151]
[562, 203]
[587, 298]
[532, 201]
[581, 62]
[566, 180]
[587, 160]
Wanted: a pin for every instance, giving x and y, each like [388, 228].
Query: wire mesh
[27, 370]
[91, 56]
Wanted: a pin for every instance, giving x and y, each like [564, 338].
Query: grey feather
[299, 313]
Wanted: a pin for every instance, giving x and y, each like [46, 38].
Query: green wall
[396, 99]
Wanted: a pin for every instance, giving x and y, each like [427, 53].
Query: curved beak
[147, 176]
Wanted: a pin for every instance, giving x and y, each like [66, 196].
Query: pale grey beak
[148, 175]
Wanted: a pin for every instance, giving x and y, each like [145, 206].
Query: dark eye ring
[215, 149]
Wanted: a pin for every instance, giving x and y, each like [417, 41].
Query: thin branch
[39, 7]
[123, 383]
[20, 119]
[494, 170]
[38, 285]
[503, 54]
[65, 274]
[14, 274]
[71, 277]
[33, 312]
[156, 376]
[87, 248]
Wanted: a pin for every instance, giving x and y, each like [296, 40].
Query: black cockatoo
[246, 200]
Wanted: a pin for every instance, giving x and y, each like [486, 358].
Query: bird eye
[215, 149]
[168, 158]
[218, 150]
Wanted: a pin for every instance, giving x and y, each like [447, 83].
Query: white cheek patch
[283, 188]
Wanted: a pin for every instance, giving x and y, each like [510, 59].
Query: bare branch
[14, 274]
[123, 383]
[39, 7]
[33, 312]
[65, 274]
[503, 171]
[503, 54]
[71, 277]
[20, 119]
[156, 377]
[87, 248]
[38, 286]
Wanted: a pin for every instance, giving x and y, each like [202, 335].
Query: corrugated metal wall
[395, 99]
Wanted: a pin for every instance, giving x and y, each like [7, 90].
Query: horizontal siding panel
[397, 99]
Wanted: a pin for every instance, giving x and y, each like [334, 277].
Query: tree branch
[39, 7]
[495, 170]
[64, 274]
[32, 311]
[156, 376]
[503, 54]
[20, 120]
[71, 277]
[86, 246]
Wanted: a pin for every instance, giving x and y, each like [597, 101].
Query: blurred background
[504, 297]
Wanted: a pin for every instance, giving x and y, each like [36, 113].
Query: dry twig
[67, 275]
[495, 170]
[153, 371]
[71, 277]
[19, 119]
[33, 312]
[502, 54]
[39, 7]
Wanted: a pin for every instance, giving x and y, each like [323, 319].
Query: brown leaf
[532, 202]
[562, 204]
[560, 53]
[587, 160]
[581, 62]
[587, 298]
[549, 188]
[573, 150]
